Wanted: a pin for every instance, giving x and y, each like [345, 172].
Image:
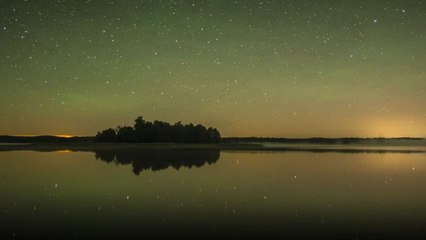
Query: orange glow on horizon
[388, 128]
[64, 135]
[55, 135]
[64, 151]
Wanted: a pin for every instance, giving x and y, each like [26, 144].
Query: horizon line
[315, 137]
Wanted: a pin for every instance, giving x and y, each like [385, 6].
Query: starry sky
[250, 68]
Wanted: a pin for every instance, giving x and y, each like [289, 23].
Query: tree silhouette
[126, 134]
[107, 135]
[159, 131]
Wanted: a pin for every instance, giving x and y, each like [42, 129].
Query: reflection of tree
[159, 159]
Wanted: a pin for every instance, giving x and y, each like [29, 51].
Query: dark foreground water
[208, 194]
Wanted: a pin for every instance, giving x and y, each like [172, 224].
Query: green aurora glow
[249, 68]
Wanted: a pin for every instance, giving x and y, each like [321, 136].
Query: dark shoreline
[254, 147]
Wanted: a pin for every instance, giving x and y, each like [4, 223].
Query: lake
[212, 193]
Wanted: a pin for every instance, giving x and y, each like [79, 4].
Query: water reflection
[159, 159]
[247, 194]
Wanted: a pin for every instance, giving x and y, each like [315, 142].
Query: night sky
[249, 68]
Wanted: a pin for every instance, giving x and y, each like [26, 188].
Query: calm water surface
[102, 194]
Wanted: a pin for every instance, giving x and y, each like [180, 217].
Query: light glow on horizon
[247, 68]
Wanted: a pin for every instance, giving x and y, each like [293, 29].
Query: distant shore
[234, 140]
[317, 148]
[343, 145]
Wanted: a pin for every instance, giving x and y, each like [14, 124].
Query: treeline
[349, 140]
[43, 139]
[158, 131]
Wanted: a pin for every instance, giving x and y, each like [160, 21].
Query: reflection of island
[159, 159]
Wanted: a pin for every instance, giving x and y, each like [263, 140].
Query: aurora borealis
[249, 68]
